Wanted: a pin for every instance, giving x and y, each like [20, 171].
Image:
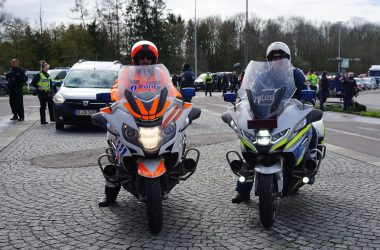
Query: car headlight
[149, 137]
[248, 136]
[279, 136]
[263, 137]
[58, 98]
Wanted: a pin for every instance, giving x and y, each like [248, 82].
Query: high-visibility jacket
[312, 78]
[44, 82]
[207, 79]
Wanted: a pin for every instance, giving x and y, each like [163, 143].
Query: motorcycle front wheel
[267, 199]
[153, 204]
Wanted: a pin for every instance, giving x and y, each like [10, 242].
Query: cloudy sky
[57, 11]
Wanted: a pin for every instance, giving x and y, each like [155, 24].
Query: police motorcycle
[147, 152]
[274, 132]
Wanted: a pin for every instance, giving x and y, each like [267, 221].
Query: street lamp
[246, 34]
[195, 41]
[339, 60]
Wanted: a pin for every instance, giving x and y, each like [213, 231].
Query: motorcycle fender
[269, 170]
[151, 168]
[275, 169]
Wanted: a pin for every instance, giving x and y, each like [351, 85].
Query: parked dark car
[3, 86]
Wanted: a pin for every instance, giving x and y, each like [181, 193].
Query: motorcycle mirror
[230, 97]
[187, 92]
[103, 97]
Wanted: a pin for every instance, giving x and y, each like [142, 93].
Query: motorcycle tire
[153, 198]
[267, 200]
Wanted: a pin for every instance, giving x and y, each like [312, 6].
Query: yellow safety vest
[44, 82]
[208, 79]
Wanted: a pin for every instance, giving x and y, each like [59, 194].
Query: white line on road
[348, 133]
[370, 129]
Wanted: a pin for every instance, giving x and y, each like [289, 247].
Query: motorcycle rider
[142, 53]
[278, 51]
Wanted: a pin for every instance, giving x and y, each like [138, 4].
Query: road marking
[354, 134]
[370, 129]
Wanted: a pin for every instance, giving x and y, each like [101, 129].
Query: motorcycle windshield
[268, 86]
[144, 90]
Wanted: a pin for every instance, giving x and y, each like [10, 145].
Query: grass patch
[338, 108]
[375, 114]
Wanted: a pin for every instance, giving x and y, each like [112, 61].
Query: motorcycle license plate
[85, 112]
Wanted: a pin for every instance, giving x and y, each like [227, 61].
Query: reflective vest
[44, 82]
[312, 78]
[208, 79]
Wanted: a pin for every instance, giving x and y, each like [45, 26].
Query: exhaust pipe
[189, 165]
[236, 165]
[109, 170]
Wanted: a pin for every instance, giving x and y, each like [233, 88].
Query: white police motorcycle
[274, 132]
[147, 152]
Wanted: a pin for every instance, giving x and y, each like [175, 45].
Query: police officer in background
[208, 82]
[313, 79]
[16, 80]
[43, 84]
[349, 87]
[187, 79]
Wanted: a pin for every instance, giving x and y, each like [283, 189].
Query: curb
[353, 155]
[10, 130]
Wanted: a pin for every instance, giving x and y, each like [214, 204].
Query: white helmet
[278, 47]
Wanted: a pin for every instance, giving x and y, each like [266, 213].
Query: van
[75, 102]
[374, 71]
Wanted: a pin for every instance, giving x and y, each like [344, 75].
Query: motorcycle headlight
[263, 137]
[58, 98]
[169, 129]
[279, 136]
[129, 133]
[149, 137]
[248, 136]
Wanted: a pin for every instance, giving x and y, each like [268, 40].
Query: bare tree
[80, 7]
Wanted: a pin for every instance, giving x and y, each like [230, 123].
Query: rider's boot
[110, 196]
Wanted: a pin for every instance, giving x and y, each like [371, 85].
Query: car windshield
[268, 86]
[91, 79]
[374, 73]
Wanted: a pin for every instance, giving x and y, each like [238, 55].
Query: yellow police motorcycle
[274, 132]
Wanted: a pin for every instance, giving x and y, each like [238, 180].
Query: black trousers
[16, 100]
[208, 88]
[44, 98]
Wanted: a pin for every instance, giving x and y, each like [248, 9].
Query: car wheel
[59, 126]
[3, 91]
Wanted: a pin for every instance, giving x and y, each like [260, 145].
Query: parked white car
[361, 83]
[76, 101]
[370, 82]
